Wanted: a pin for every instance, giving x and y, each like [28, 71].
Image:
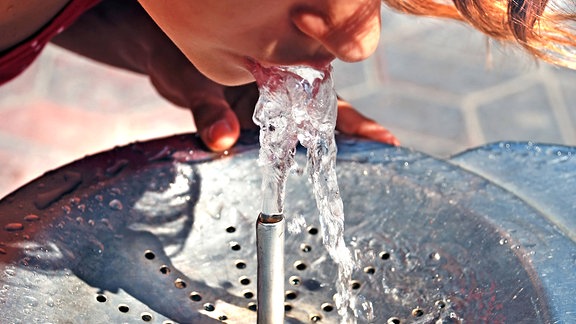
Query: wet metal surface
[163, 232]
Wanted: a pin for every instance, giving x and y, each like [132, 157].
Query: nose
[349, 29]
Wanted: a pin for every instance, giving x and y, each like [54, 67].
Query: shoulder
[20, 19]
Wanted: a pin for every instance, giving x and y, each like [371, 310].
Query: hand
[352, 122]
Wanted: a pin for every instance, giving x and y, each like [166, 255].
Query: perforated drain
[167, 237]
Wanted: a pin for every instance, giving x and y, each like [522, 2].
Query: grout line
[504, 89]
[559, 107]
[472, 123]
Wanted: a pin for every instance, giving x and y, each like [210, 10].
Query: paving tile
[525, 116]
[348, 75]
[459, 77]
[22, 89]
[80, 82]
[417, 115]
[19, 168]
[567, 83]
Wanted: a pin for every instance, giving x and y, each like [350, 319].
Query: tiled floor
[428, 82]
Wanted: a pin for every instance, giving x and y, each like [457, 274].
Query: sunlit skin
[222, 39]
[219, 37]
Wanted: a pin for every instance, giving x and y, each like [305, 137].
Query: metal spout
[270, 282]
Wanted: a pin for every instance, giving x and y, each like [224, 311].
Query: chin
[238, 81]
[231, 77]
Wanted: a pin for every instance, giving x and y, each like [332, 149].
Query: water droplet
[31, 301]
[25, 261]
[503, 241]
[115, 204]
[435, 256]
[163, 154]
[14, 227]
[32, 218]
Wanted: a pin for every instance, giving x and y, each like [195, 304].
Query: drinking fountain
[163, 231]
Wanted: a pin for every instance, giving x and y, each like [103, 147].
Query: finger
[351, 122]
[216, 123]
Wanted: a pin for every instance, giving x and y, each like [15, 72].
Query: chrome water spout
[270, 252]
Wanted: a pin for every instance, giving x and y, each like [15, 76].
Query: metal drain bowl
[163, 232]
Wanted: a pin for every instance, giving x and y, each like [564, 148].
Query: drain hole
[101, 298]
[299, 265]
[222, 317]
[209, 307]
[305, 248]
[235, 246]
[287, 307]
[252, 306]
[164, 269]
[440, 304]
[312, 230]
[146, 317]
[240, 265]
[327, 307]
[244, 281]
[295, 281]
[355, 285]
[291, 295]
[384, 255]
[312, 285]
[248, 294]
[393, 320]
[179, 283]
[435, 256]
[148, 254]
[315, 318]
[123, 308]
[231, 229]
[417, 312]
[369, 270]
[194, 296]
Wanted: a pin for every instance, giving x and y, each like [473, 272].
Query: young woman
[198, 53]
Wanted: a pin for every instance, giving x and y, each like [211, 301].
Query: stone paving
[432, 84]
[440, 86]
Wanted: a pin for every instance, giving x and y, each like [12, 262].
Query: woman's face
[223, 38]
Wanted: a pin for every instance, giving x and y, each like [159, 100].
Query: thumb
[216, 123]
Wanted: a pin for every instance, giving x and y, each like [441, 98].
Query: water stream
[299, 105]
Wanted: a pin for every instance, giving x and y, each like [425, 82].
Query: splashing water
[298, 104]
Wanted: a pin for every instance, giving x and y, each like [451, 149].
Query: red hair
[547, 30]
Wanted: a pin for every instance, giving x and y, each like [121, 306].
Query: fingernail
[218, 130]
[219, 136]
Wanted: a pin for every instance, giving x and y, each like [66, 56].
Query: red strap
[18, 58]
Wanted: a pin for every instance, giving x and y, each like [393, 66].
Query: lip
[318, 62]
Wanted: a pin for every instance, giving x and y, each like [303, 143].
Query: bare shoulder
[20, 19]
